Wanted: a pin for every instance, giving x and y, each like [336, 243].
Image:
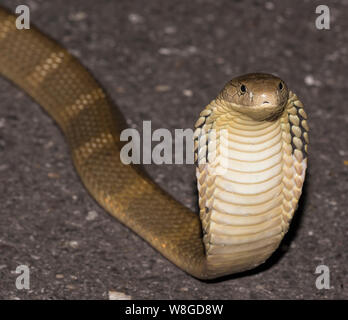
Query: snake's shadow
[283, 247]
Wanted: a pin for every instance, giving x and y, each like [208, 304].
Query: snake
[250, 147]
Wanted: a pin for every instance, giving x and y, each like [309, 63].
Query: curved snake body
[250, 169]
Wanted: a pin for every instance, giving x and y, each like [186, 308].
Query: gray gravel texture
[164, 61]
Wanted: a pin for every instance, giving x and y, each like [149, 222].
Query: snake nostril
[265, 102]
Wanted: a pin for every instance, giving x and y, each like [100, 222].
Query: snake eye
[243, 88]
[280, 86]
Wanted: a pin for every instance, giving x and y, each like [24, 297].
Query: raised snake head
[261, 96]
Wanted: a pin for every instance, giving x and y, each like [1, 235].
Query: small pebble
[49, 145]
[70, 287]
[135, 18]
[53, 175]
[92, 215]
[187, 93]
[165, 51]
[310, 81]
[341, 152]
[162, 88]
[73, 244]
[78, 16]
[269, 5]
[114, 295]
[191, 50]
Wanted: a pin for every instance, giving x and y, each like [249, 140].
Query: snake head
[261, 96]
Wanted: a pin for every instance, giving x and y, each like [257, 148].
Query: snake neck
[241, 188]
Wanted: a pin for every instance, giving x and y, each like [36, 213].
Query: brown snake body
[250, 169]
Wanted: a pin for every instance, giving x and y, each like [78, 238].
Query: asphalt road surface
[164, 61]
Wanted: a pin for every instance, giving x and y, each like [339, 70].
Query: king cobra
[250, 149]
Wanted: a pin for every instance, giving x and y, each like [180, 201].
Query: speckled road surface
[164, 61]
